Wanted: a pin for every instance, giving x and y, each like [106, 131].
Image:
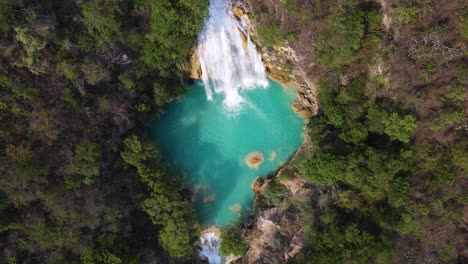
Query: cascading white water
[209, 248]
[228, 59]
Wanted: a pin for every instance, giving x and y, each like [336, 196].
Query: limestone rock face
[297, 107]
[195, 70]
[238, 12]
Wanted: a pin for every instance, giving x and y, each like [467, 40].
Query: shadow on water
[182, 149]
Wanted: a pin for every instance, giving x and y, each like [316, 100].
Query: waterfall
[210, 248]
[228, 59]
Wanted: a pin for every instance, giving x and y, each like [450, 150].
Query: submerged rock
[254, 159]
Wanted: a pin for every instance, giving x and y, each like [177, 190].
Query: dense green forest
[79, 183]
[390, 146]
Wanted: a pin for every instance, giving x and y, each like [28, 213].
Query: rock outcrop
[194, 67]
[276, 233]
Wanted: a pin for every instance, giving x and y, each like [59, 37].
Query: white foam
[227, 66]
[210, 248]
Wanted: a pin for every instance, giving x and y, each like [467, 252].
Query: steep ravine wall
[268, 228]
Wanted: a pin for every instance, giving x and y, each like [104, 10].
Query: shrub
[232, 242]
[274, 194]
[345, 244]
[324, 168]
[270, 34]
[337, 45]
[85, 166]
[412, 14]
[463, 22]
[101, 21]
[400, 128]
[446, 117]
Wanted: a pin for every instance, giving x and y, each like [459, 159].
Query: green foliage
[458, 154]
[343, 37]
[19, 168]
[112, 249]
[232, 242]
[161, 94]
[376, 118]
[94, 73]
[354, 132]
[135, 153]
[270, 34]
[454, 94]
[5, 14]
[32, 46]
[332, 111]
[101, 21]
[345, 244]
[46, 236]
[291, 6]
[274, 193]
[178, 236]
[413, 13]
[174, 26]
[400, 128]
[165, 206]
[462, 24]
[324, 168]
[453, 112]
[447, 117]
[64, 121]
[85, 167]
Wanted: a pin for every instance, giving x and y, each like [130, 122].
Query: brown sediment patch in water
[208, 199]
[272, 156]
[254, 159]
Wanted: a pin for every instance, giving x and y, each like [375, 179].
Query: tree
[165, 206]
[232, 242]
[348, 243]
[324, 168]
[85, 166]
[343, 37]
[101, 21]
[174, 26]
[400, 128]
[32, 46]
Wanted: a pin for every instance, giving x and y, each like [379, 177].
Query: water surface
[207, 145]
